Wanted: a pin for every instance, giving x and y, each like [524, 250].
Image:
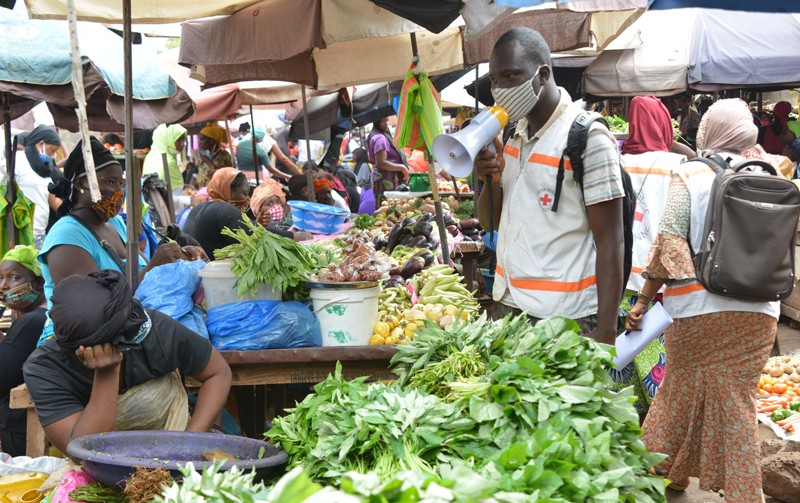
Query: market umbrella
[740, 5]
[702, 50]
[35, 66]
[337, 43]
[142, 11]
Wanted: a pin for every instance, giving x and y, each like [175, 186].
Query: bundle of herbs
[261, 257]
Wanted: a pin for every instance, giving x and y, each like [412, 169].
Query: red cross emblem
[545, 199]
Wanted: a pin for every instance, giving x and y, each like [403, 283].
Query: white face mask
[517, 101]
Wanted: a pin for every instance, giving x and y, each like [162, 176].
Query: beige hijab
[727, 126]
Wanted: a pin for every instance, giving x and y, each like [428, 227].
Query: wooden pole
[233, 157]
[477, 110]
[256, 164]
[309, 173]
[11, 187]
[132, 168]
[437, 202]
[80, 97]
[170, 198]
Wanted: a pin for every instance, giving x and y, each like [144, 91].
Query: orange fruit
[779, 388]
[767, 387]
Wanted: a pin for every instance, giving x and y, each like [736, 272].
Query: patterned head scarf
[263, 192]
[649, 127]
[25, 256]
[216, 133]
[727, 127]
[219, 188]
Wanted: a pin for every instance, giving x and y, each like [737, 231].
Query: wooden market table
[256, 368]
[469, 252]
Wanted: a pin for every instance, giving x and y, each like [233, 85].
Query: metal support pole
[132, 177]
[309, 173]
[233, 157]
[256, 163]
[170, 197]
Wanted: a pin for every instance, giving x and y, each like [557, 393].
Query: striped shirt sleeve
[602, 180]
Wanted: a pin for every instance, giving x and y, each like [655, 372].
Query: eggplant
[427, 217]
[390, 283]
[394, 237]
[412, 266]
[427, 256]
[394, 271]
[408, 222]
[379, 243]
[419, 242]
[469, 223]
[406, 240]
[453, 230]
[433, 244]
[422, 229]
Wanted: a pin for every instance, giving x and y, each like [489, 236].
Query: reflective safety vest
[545, 259]
[691, 298]
[650, 174]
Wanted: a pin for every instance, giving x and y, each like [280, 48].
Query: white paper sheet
[631, 343]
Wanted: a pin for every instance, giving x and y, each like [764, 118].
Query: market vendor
[21, 291]
[212, 155]
[323, 190]
[244, 158]
[229, 199]
[114, 365]
[170, 140]
[268, 205]
[91, 236]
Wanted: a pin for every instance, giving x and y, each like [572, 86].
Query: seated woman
[22, 291]
[267, 204]
[112, 365]
[91, 236]
[229, 199]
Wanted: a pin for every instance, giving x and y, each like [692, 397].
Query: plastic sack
[169, 288]
[263, 324]
[71, 481]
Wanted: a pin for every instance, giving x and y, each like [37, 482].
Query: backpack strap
[576, 145]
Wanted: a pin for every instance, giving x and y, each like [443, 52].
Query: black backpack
[576, 144]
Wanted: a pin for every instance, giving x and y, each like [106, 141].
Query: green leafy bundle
[261, 257]
[214, 486]
[364, 221]
[617, 124]
[352, 426]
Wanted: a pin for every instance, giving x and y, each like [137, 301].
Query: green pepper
[795, 406]
[780, 415]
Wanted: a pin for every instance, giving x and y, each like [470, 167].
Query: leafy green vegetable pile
[518, 413]
[617, 124]
[364, 221]
[262, 257]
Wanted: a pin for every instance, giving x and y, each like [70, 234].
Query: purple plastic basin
[111, 458]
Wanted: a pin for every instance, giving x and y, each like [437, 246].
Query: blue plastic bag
[263, 324]
[169, 288]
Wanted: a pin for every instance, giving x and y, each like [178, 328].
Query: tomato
[779, 388]
[767, 387]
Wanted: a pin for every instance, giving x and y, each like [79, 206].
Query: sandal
[675, 486]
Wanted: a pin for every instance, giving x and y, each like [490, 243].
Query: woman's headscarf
[782, 164]
[263, 192]
[25, 256]
[219, 188]
[215, 132]
[321, 184]
[165, 136]
[48, 135]
[94, 309]
[64, 186]
[781, 111]
[649, 126]
[727, 127]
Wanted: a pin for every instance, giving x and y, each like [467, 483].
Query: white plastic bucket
[346, 315]
[218, 284]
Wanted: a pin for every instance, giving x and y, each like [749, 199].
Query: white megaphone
[456, 152]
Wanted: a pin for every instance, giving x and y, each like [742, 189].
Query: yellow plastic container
[13, 487]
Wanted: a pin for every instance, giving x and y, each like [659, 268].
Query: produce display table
[257, 368]
[468, 251]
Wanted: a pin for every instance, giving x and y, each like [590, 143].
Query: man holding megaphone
[559, 251]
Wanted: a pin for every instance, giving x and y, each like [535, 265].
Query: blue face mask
[46, 159]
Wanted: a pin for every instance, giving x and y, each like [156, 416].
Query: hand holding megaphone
[458, 152]
[488, 164]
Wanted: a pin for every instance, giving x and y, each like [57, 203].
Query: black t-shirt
[18, 345]
[60, 385]
[206, 221]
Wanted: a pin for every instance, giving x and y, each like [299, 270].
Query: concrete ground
[788, 342]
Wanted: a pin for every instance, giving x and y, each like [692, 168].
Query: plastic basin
[111, 458]
[317, 218]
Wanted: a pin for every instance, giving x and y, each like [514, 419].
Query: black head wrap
[95, 309]
[48, 135]
[63, 186]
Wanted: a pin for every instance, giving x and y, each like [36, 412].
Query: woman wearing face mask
[33, 171]
[390, 164]
[89, 236]
[170, 140]
[267, 205]
[212, 156]
[21, 291]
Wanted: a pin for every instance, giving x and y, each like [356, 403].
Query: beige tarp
[143, 11]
